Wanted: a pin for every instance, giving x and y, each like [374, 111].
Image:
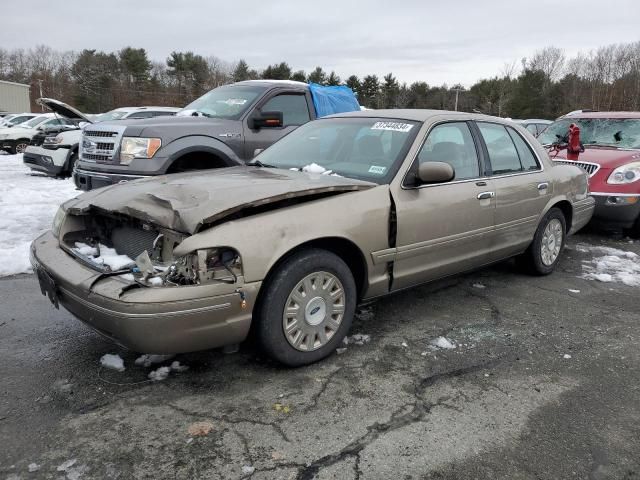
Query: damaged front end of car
[140, 252]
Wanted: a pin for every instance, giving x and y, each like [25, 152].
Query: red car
[609, 150]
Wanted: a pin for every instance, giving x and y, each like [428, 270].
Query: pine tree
[318, 76]
[241, 72]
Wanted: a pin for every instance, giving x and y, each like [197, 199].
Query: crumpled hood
[188, 201]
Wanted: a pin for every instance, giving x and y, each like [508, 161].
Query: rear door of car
[444, 228]
[522, 187]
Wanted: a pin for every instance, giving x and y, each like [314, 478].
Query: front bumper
[87, 180]
[148, 320]
[621, 213]
[51, 162]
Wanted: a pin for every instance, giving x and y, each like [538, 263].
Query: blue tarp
[333, 99]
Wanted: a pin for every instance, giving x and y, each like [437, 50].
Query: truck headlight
[58, 220]
[137, 147]
[628, 173]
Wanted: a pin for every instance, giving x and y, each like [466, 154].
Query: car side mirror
[435, 172]
[266, 120]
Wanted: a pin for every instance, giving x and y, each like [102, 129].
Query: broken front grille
[590, 168]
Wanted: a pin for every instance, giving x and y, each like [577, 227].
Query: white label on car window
[234, 101]
[377, 169]
[392, 126]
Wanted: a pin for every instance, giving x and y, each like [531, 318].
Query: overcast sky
[435, 41]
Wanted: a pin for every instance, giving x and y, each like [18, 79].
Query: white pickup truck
[55, 151]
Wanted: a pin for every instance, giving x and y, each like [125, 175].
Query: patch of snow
[160, 374]
[479, 285]
[86, 250]
[357, 339]
[404, 344]
[615, 265]
[340, 351]
[63, 467]
[572, 290]
[155, 281]
[114, 362]
[248, 469]
[177, 367]
[28, 204]
[148, 359]
[33, 467]
[314, 168]
[566, 356]
[443, 342]
[107, 256]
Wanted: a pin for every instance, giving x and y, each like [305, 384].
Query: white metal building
[14, 97]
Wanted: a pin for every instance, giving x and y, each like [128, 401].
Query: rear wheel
[307, 308]
[20, 146]
[543, 254]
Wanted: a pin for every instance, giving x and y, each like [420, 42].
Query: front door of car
[295, 112]
[522, 187]
[444, 228]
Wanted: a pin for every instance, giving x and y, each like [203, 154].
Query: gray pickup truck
[224, 127]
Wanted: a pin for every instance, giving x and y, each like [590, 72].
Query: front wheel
[543, 254]
[72, 163]
[20, 146]
[306, 308]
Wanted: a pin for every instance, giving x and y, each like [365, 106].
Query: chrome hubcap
[314, 311]
[551, 242]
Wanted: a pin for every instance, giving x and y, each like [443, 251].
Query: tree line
[546, 85]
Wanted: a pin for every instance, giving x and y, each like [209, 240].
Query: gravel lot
[543, 384]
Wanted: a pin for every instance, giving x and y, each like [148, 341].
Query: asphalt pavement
[544, 383]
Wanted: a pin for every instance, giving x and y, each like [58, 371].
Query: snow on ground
[613, 265]
[443, 342]
[28, 204]
[149, 359]
[114, 362]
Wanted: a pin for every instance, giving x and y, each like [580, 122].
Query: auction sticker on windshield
[377, 169]
[392, 126]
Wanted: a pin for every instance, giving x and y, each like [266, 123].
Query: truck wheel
[307, 308]
[634, 232]
[20, 146]
[71, 163]
[543, 254]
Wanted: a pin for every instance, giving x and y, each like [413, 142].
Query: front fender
[261, 240]
[198, 143]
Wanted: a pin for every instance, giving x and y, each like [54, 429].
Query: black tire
[634, 232]
[19, 145]
[531, 261]
[270, 331]
[71, 163]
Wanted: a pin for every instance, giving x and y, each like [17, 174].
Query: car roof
[419, 115]
[535, 120]
[271, 82]
[602, 115]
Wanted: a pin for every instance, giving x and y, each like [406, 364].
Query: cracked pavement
[504, 404]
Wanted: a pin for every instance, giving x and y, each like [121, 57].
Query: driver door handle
[486, 195]
[543, 186]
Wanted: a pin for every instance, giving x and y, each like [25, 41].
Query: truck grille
[590, 168]
[94, 148]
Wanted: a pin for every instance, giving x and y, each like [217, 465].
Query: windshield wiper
[258, 163]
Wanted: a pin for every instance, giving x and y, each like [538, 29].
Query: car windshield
[112, 115]
[609, 132]
[363, 148]
[225, 102]
[34, 121]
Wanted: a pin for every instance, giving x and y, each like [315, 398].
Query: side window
[162, 114]
[137, 115]
[532, 128]
[452, 143]
[293, 107]
[502, 152]
[527, 159]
